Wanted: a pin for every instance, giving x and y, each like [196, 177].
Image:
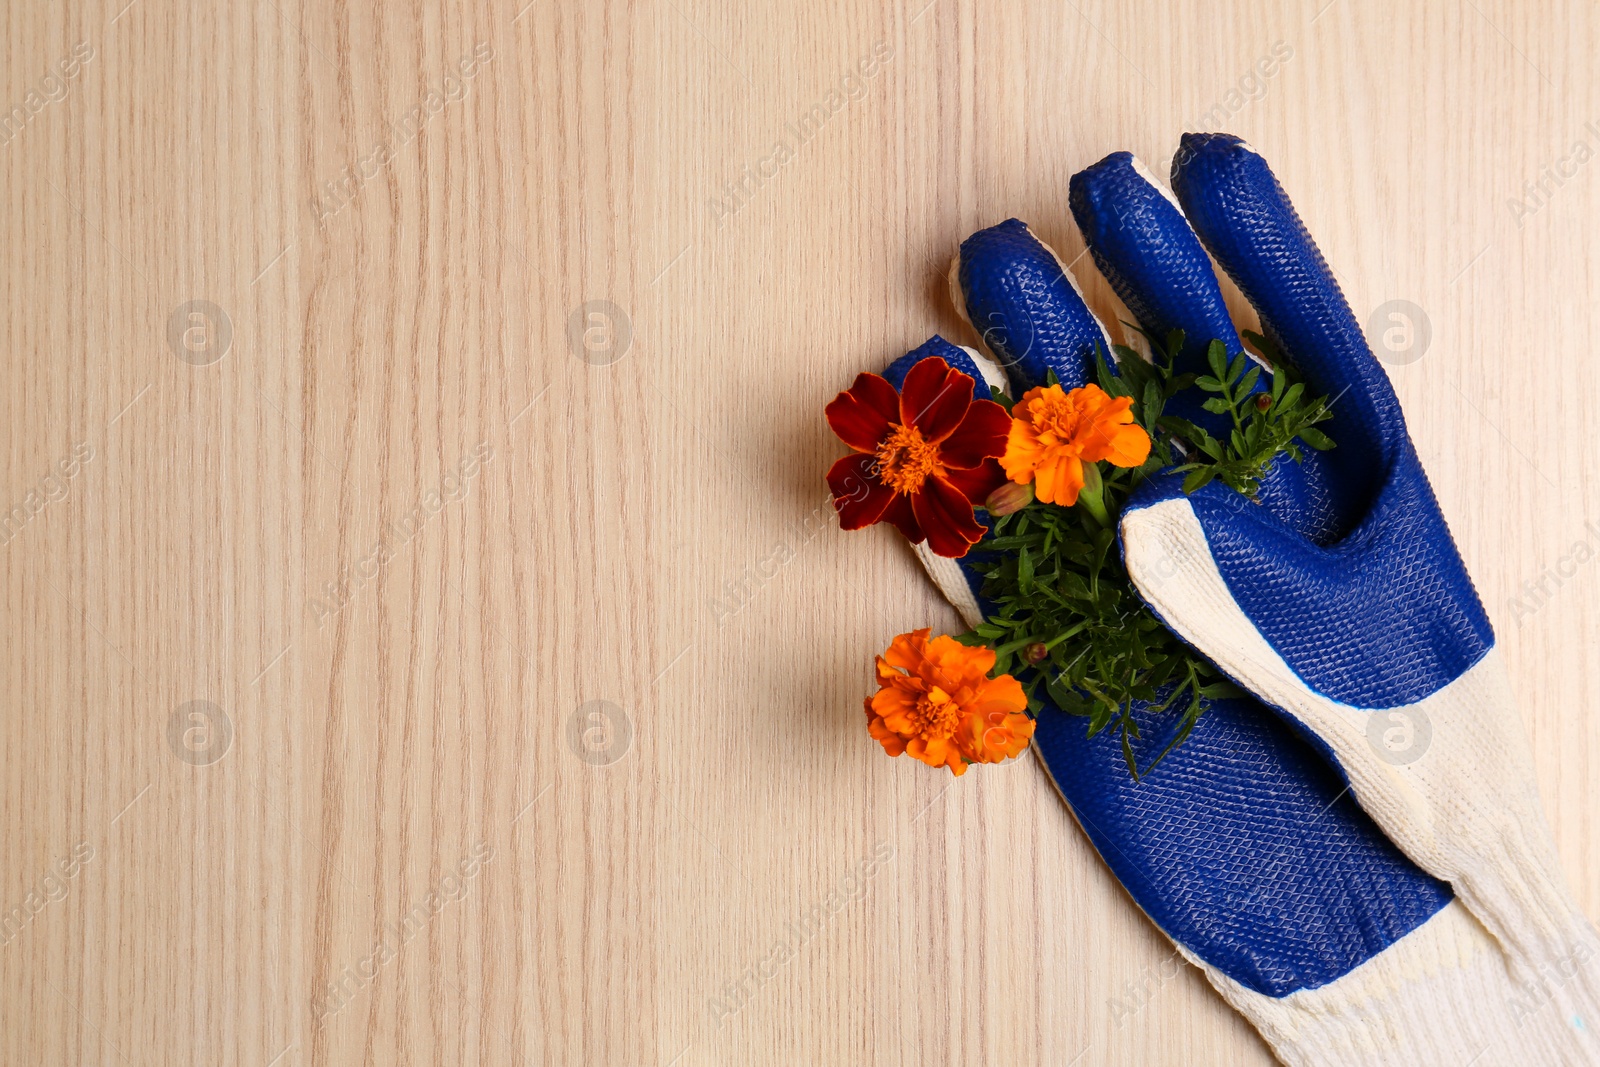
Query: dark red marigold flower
[923, 456]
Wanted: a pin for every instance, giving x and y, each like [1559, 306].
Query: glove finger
[1246, 221]
[1026, 307]
[1147, 251]
[982, 372]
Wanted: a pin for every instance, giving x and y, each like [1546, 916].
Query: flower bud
[1035, 653]
[1009, 498]
[1263, 401]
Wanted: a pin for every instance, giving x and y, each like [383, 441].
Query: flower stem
[1092, 495]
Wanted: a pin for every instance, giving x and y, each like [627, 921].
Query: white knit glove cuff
[1441, 996]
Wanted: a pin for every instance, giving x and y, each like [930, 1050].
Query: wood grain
[396, 832]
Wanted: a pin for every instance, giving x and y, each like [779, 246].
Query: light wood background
[650, 531]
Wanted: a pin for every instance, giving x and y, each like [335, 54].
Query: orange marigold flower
[1054, 433]
[936, 701]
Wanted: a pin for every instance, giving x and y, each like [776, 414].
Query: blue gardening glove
[1243, 845]
[1350, 614]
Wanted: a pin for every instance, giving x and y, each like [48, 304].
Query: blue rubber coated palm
[1243, 845]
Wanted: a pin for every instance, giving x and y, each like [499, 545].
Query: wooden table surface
[427, 640]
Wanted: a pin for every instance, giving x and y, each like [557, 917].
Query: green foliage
[1056, 578]
[1261, 428]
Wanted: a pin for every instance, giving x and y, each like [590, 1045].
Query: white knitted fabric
[1441, 996]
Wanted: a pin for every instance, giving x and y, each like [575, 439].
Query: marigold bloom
[936, 701]
[1054, 433]
[923, 456]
